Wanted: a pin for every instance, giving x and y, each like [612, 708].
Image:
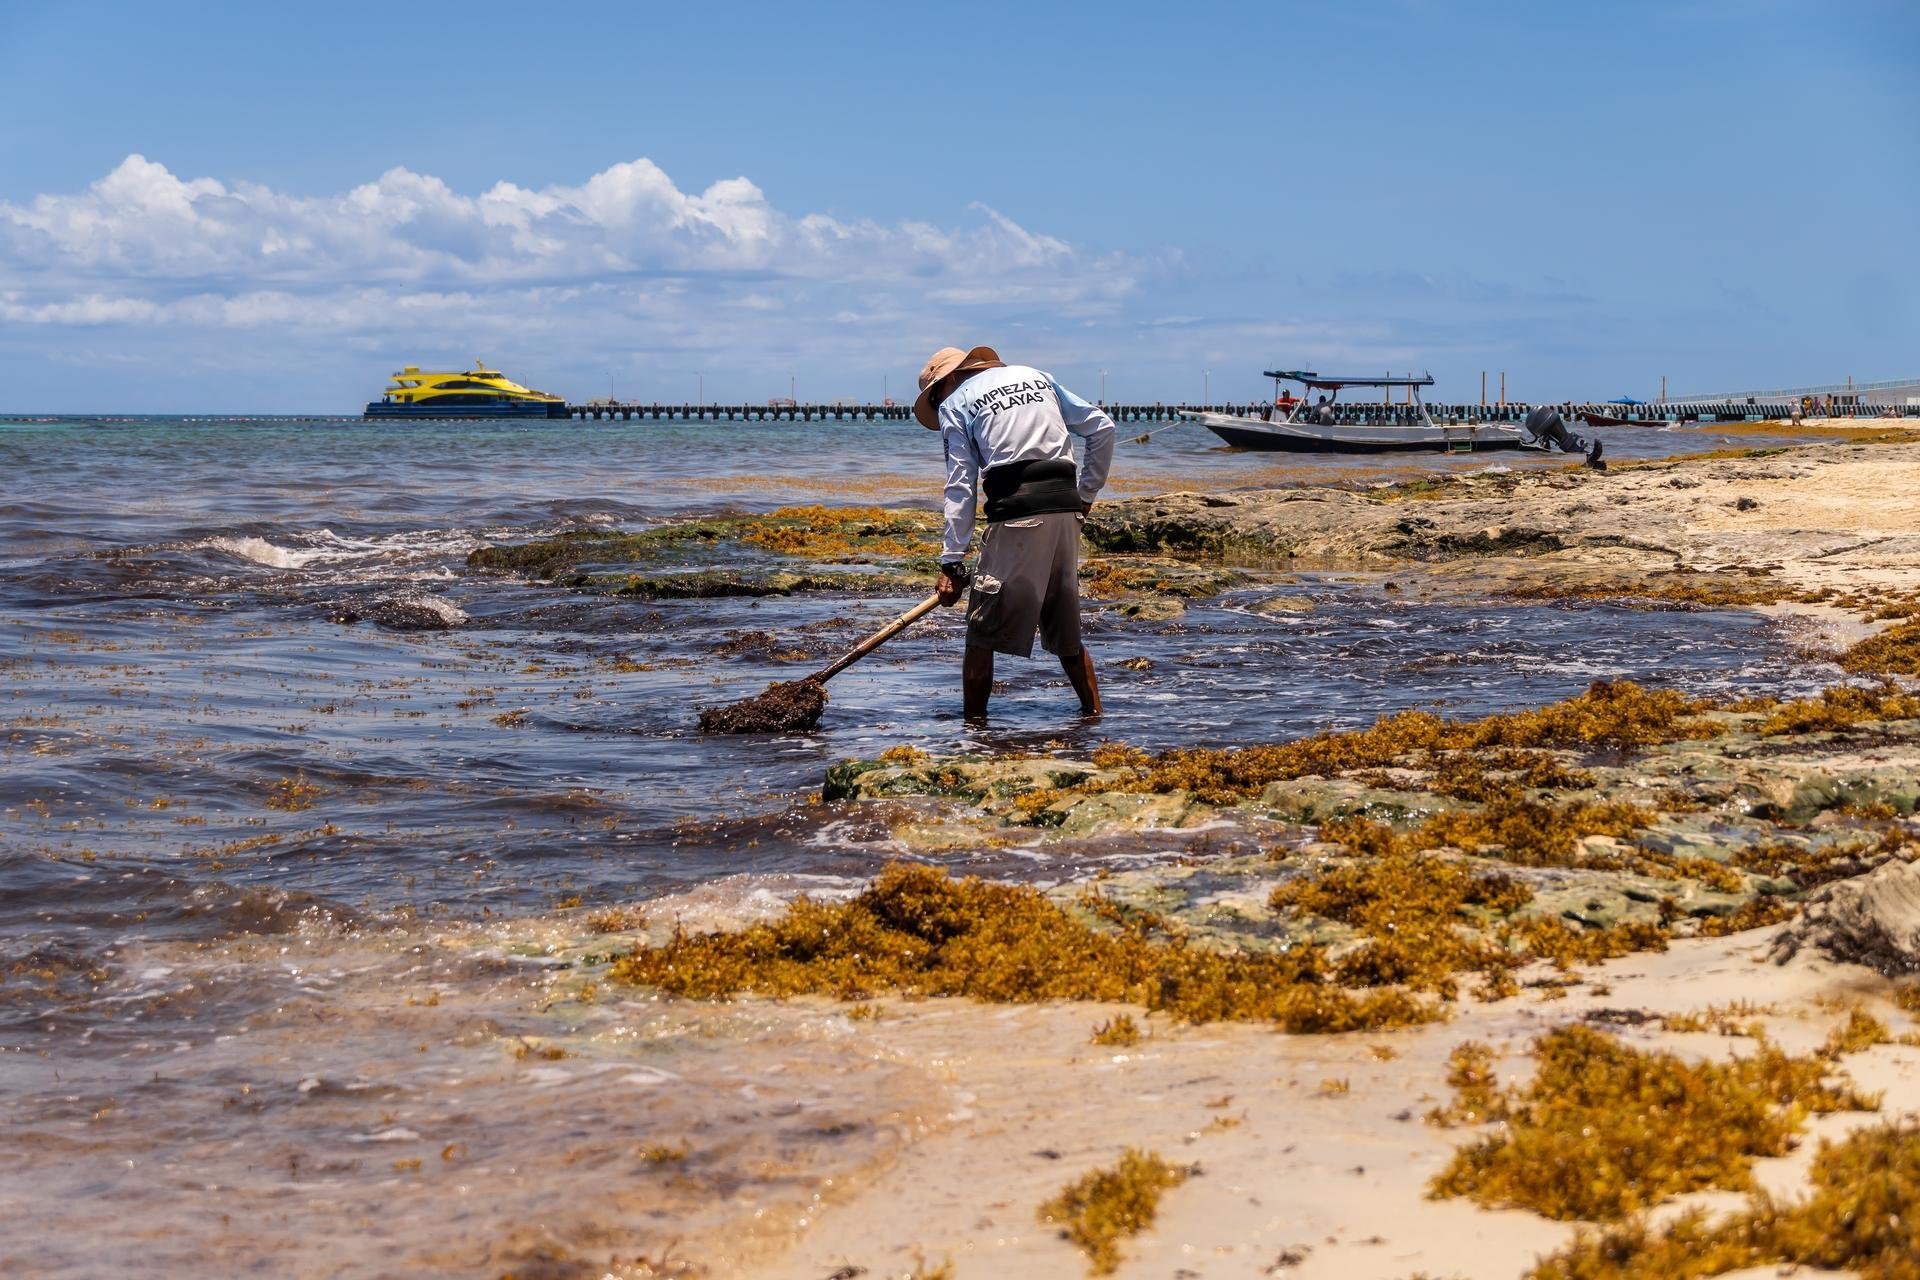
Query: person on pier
[1008, 432]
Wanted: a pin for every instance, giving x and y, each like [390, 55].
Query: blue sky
[268, 208]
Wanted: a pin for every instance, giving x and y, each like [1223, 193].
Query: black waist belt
[1031, 488]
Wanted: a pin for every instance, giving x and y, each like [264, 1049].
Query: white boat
[1299, 427]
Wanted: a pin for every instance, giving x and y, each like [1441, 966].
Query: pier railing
[1882, 393]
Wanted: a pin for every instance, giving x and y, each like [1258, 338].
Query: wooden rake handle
[875, 640]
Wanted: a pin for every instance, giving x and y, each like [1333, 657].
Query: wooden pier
[657, 411]
[1347, 412]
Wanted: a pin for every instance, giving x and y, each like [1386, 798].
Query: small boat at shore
[1593, 418]
[1299, 427]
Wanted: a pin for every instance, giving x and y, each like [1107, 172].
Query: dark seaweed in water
[787, 704]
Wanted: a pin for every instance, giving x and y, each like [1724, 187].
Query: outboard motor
[1546, 426]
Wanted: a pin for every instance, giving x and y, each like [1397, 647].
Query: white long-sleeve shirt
[1015, 414]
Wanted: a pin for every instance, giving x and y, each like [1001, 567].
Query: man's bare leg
[1079, 669]
[976, 681]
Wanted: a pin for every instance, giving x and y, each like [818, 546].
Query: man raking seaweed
[1006, 430]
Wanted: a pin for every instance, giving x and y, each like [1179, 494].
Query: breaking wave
[325, 548]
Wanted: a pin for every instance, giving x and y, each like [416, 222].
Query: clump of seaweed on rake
[918, 931]
[785, 706]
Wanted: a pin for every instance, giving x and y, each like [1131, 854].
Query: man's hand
[948, 589]
[1086, 506]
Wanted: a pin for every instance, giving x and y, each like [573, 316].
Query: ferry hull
[395, 409]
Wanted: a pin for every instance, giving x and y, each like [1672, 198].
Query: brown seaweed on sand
[786, 705]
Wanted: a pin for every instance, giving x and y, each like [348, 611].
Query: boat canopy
[1333, 382]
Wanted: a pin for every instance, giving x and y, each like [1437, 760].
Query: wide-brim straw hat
[943, 362]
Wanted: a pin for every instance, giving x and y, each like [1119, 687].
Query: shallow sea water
[280, 894]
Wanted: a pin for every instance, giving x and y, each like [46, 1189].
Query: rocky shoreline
[1832, 530]
[1822, 798]
[1796, 516]
[1522, 849]
[1687, 875]
[1831, 523]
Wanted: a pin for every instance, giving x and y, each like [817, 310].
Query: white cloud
[143, 226]
[199, 274]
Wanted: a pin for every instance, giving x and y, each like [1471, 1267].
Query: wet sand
[429, 1102]
[1311, 1148]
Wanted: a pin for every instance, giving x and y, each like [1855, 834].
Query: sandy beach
[1314, 1160]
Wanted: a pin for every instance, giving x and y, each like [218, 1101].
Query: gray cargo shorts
[1027, 580]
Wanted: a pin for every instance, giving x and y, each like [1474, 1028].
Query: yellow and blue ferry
[478, 392]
